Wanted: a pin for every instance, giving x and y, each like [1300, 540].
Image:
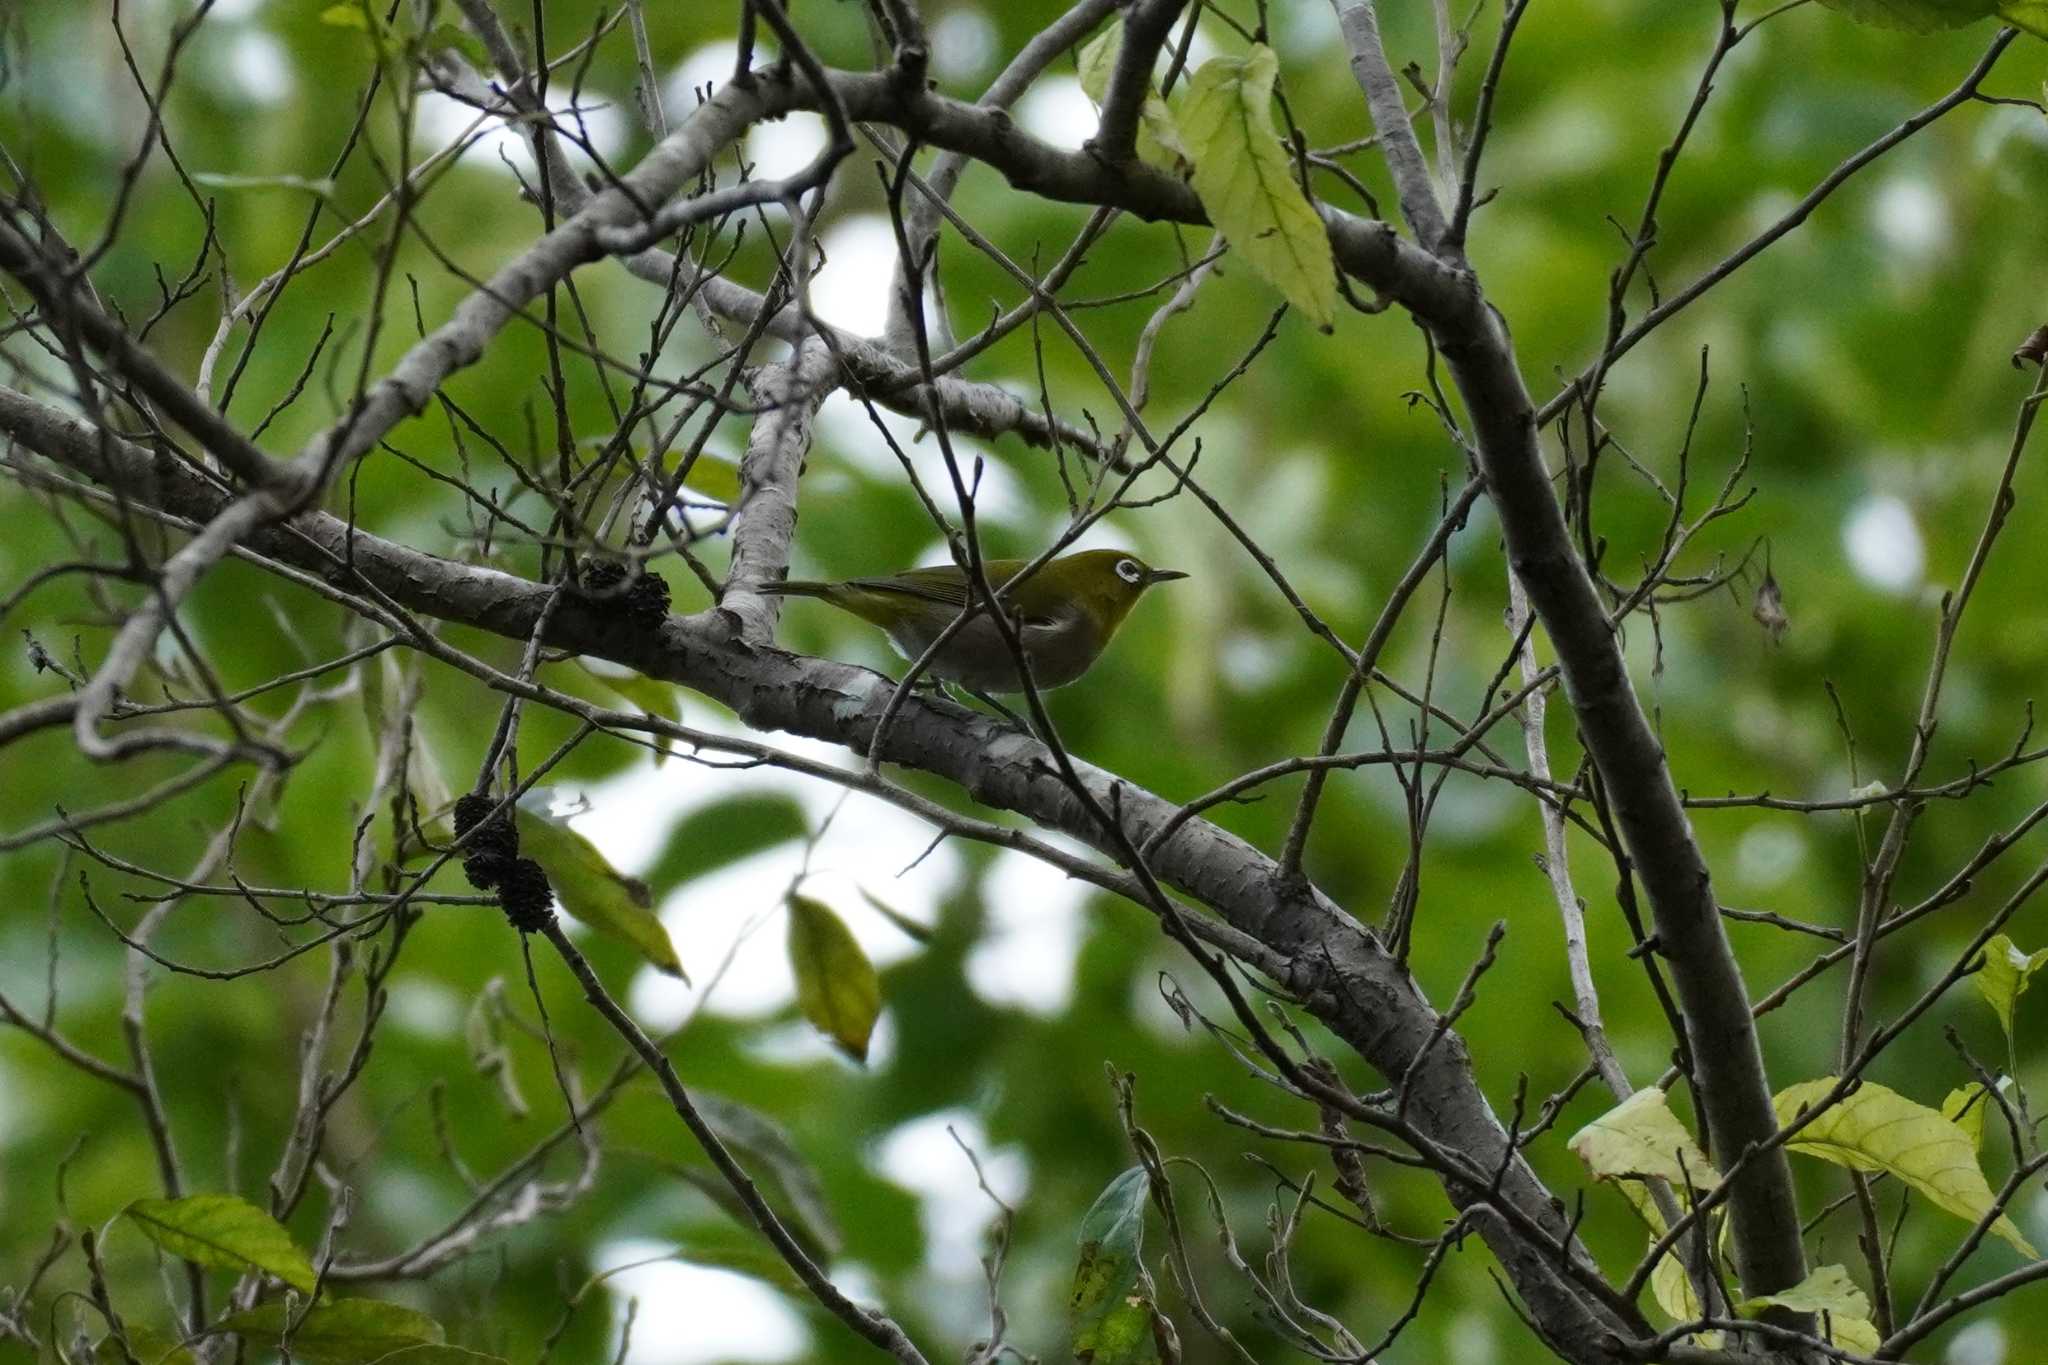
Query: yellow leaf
[589, 887]
[2003, 977]
[836, 985]
[1159, 141]
[1247, 183]
[1960, 1110]
[226, 1232]
[1876, 1129]
[1642, 1137]
[2031, 15]
[1828, 1290]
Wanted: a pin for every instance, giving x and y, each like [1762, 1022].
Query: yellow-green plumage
[1065, 614]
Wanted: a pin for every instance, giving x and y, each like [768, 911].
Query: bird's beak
[1163, 576]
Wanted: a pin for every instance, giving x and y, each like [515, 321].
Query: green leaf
[344, 1332]
[836, 985]
[1642, 1137]
[789, 1179]
[455, 38]
[1966, 1105]
[1110, 1306]
[225, 1232]
[1915, 16]
[218, 180]
[717, 835]
[2031, 15]
[650, 695]
[1827, 1290]
[1875, 1129]
[714, 477]
[147, 1345]
[2003, 977]
[437, 1353]
[1096, 62]
[1159, 141]
[1247, 183]
[350, 14]
[589, 887]
[910, 928]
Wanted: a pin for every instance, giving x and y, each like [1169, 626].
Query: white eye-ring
[1129, 570]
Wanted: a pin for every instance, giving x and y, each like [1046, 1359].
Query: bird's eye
[1129, 570]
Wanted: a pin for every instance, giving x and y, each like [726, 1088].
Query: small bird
[1065, 614]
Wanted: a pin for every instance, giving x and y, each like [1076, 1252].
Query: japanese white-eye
[1065, 614]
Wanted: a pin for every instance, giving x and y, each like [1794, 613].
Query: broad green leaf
[836, 985]
[1827, 1290]
[1248, 185]
[1096, 62]
[1876, 1129]
[350, 14]
[2003, 977]
[225, 1232]
[714, 477]
[2031, 15]
[1966, 1105]
[589, 887]
[1669, 1283]
[147, 1345]
[1159, 141]
[438, 1353]
[650, 695]
[455, 38]
[344, 1332]
[714, 836]
[1109, 1308]
[1642, 1137]
[1915, 16]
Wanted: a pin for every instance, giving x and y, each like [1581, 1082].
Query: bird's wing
[945, 584]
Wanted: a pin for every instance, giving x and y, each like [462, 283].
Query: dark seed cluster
[491, 861]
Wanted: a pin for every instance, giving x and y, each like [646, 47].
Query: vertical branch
[1410, 169]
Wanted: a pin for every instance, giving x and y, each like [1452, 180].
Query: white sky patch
[1057, 111]
[852, 289]
[711, 64]
[963, 43]
[868, 844]
[1911, 216]
[690, 1314]
[252, 66]
[780, 148]
[1981, 1343]
[1768, 855]
[1026, 959]
[922, 1157]
[597, 120]
[425, 1008]
[845, 428]
[1883, 543]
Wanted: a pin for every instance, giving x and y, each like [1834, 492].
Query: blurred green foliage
[1864, 357]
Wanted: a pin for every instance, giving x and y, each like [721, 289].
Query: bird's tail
[796, 587]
